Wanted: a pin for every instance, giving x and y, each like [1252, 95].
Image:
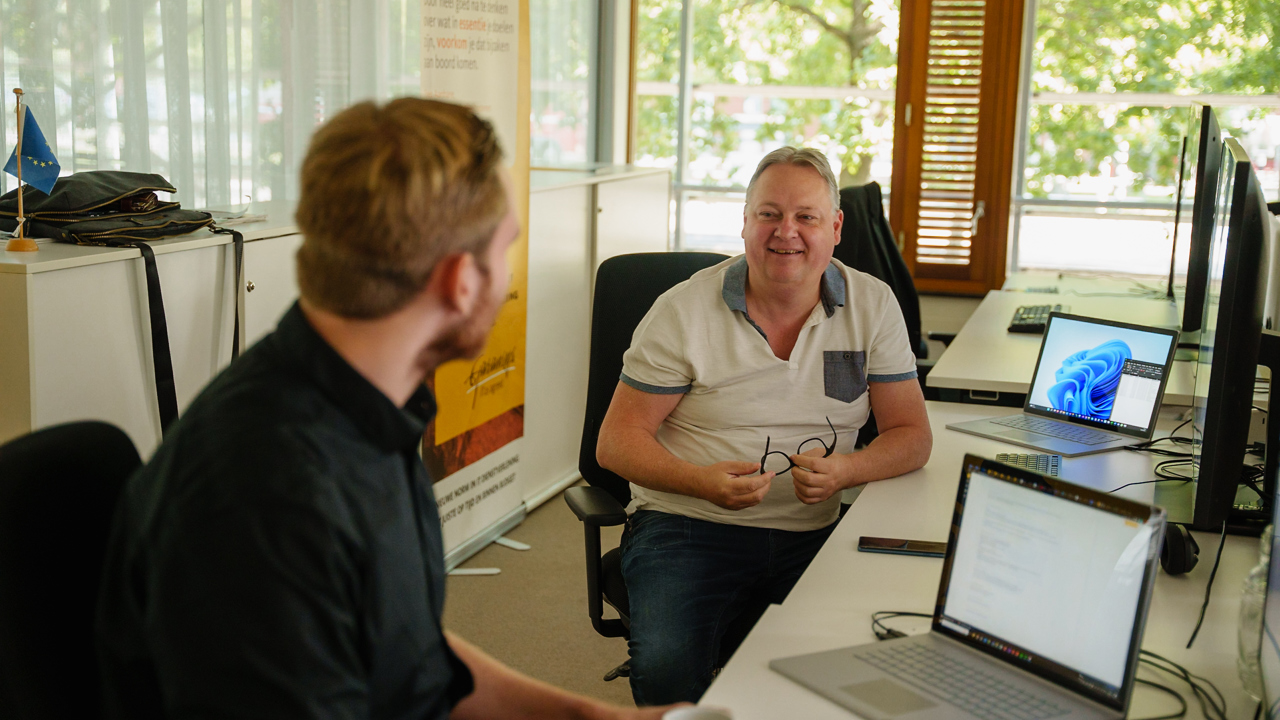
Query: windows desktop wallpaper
[1081, 363]
[1087, 380]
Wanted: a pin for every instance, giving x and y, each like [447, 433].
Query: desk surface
[1069, 283]
[985, 356]
[831, 606]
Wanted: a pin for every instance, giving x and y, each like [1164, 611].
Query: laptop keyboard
[963, 685]
[1082, 435]
[1043, 464]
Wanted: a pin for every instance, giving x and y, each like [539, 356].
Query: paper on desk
[224, 218]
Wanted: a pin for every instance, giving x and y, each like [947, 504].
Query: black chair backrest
[867, 244]
[626, 286]
[58, 491]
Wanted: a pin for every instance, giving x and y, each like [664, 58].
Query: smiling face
[790, 228]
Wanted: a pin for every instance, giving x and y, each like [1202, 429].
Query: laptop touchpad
[887, 696]
[1022, 436]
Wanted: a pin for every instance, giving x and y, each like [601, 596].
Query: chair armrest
[595, 506]
[944, 338]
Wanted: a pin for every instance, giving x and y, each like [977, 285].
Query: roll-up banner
[476, 52]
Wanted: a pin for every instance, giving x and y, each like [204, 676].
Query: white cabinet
[75, 338]
[271, 283]
[576, 221]
[75, 333]
[632, 215]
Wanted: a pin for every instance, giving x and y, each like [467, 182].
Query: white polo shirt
[699, 341]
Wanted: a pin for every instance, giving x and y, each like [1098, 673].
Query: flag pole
[21, 243]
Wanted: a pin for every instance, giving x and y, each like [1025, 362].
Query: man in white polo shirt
[781, 351]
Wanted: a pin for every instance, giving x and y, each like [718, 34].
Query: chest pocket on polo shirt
[844, 374]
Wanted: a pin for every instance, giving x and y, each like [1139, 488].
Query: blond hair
[387, 192]
[804, 157]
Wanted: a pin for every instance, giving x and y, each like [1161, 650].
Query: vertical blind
[219, 96]
[951, 114]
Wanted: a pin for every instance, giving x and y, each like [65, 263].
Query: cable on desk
[1149, 446]
[1163, 469]
[1200, 686]
[1250, 476]
[1208, 588]
[1166, 689]
[884, 632]
[1147, 482]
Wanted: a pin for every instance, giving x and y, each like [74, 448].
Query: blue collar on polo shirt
[734, 291]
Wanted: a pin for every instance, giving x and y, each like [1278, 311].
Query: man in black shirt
[280, 556]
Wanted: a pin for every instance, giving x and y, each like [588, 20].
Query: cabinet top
[552, 178]
[59, 256]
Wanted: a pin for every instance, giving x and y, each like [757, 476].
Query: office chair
[867, 244]
[58, 492]
[626, 287]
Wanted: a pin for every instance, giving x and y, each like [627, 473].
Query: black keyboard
[1032, 318]
[1053, 428]
[966, 685]
[1038, 462]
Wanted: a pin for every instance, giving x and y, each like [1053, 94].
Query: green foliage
[1086, 46]
[764, 42]
[1155, 46]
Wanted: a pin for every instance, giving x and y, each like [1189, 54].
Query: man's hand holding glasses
[814, 472]
[735, 486]
[817, 477]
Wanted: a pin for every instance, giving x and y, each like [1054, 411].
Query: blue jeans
[687, 581]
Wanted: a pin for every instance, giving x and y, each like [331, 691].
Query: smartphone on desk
[898, 546]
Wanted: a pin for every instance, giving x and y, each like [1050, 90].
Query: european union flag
[39, 167]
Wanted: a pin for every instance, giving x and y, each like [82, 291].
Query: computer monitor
[1176, 262]
[1194, 223]
[1271, 306]
[1229, 339]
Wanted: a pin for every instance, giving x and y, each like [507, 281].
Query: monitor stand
[1179, 498]
[1251, 521]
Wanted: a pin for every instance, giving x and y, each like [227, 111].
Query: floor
[533, 615]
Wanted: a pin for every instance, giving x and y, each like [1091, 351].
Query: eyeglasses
[799, 450]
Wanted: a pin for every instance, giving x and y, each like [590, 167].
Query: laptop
[1040, 611]
[1096, 387]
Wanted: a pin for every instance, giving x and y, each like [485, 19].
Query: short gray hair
[803, 157]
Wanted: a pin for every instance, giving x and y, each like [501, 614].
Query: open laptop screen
[1101, 373]
[1049, 575]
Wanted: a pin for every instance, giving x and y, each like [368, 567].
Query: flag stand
[21, 243]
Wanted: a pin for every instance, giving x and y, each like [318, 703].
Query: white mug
[697, 713]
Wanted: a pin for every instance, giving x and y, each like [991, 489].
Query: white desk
[1070, 282]
[985, 357]
[831, 606]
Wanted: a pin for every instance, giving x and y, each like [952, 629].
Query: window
[958, 67]
[563, 36]
[1108, 93]
[721, 83]
[219, 96]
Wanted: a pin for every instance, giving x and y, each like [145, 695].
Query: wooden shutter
[954, 135]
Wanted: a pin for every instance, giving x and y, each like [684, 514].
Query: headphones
[1180, 552]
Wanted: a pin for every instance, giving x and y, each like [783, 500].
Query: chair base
[623, 670]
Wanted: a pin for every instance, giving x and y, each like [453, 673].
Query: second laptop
[1097, 386]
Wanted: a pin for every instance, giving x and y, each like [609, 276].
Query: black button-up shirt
[280, 556]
